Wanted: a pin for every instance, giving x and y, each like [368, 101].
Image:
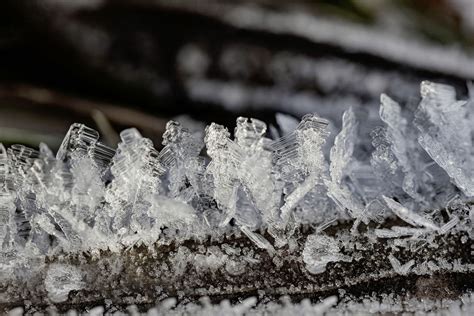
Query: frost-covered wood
[250, 213]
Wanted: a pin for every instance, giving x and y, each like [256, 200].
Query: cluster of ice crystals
[62, 279]
[446, 132]
[319, 250]
[91, 196]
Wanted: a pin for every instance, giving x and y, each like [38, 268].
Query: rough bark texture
[145, 275]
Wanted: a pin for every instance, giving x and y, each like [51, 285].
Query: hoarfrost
[60, 280]
[319, 250]
[90, 195]
[341, 155]
[409, 216]
[446, 133]
[92, 199]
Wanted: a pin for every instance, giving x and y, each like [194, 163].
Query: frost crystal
[319, 250]
[226, 204]
[395, 154]
[409, 216]
[341, 154]
[446, 131]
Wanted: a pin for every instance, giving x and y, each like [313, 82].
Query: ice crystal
[446, 133]
[62, 279]
[319, 250]
[400, 268]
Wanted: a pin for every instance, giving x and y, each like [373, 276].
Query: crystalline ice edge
[90, 197]
[446, 133]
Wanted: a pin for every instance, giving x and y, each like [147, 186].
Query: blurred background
[112, 64]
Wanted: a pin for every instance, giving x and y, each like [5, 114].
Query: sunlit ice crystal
[180, 157]
[409, 216]
[340, 157]
[256, 168]
[345, 188]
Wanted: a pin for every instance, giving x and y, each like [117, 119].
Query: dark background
[115, 64]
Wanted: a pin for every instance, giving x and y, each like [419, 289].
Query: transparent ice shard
[244, 186]
[82, 140]
[395, 154]
[343, 149]
[409, 216]
[258, 239]
[226, 157]
[446, 133]
[398, 232]
[86, 160]
[21, 160]
[180, 158]
[256, 166]
[449, 225]
[340, 168]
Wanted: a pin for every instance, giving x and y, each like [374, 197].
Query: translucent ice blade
[449, 225]
[445, 127]
[341, 152]
[258, 239]
[79, 137]
[409, 216]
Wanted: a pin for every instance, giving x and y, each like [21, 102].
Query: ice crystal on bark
[276, 192]
[319, 250]
[446, 132]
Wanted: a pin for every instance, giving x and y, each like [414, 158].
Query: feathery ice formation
[417, 171]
